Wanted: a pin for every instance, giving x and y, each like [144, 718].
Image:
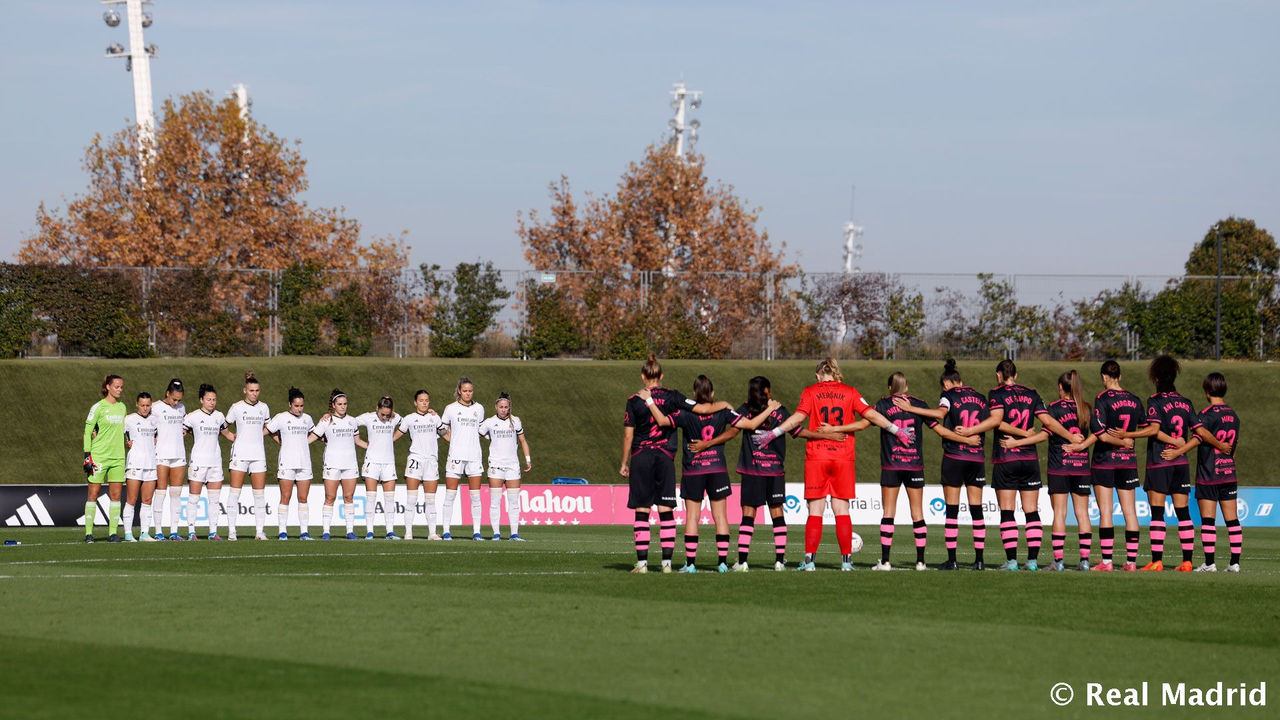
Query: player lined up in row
[825, 419]
[146, 451]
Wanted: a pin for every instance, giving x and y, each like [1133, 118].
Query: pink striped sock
[1235, 536]
[667, 534]
[1209, 540]
[1035, 537]
[979, 534]
[1059, 543]
[922, 536]
[951, 533]
[1157, 532]
[1131, 540]
[641, 529]
[690, 548]
[1187, 538]
[1086, 545]
[722, 548]
[746, 532]
[780, 539]
[886, 537]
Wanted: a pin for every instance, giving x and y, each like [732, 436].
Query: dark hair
[651, 370]
[420, 393]
[1111, 369]
[144, 395]
[249, 379]
[504, 395]
[1070, 382]
[897, 383]
[107, 381]
[386, 402]
[205, 389]
[175, 385]
[1215, 385]
[757, 399]
[1006, 369]
[1163, 372]
[702, 389]
[950, 373]
[333, 397]
[295, 394]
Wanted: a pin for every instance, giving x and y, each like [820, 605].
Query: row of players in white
[158, 438]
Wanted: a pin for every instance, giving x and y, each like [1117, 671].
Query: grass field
[557, 628]
[572, 411]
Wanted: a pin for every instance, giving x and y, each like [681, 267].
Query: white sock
[157, 511]
[410, 511]
[232, 504]
[129, 509]
[304, 518]
[495, 509]
[513, 510]
[214, 497]
[388, 502]
[193, 508]
[259, 510]
[282, 517]
[447, 510]
[429, 507]
[475, 511]
[349, 509]
[326, 516]
[175, 507]
[146, 517]
[370, 508]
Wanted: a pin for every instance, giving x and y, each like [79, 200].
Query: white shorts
[333, 473]
[381, 472]
[463, 468]
[294, 474]
[421, 467]
[172, 462]
[248, 466]
[504, 473]
[143, 474]
[205, 474]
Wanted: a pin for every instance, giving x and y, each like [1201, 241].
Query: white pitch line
[184, 558]
[304, 575]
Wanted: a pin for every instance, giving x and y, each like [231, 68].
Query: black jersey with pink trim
[893, 454]
[648, 434]
[703, 427]
[1062, 462]
[1214, 467]
[1177, 418]
[1120, 410]
[769, 460]
[1022, 407]
[965, 408]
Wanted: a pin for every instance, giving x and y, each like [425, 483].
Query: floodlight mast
[138, 62]
[683, 100]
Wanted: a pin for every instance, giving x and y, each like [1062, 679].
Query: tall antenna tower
[684, 100]
[138, 62]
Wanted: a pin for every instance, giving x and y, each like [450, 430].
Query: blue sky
[1031, 137]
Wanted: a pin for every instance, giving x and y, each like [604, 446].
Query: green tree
[1246, 250]
[302, 309]
[549, 327]
[465, 304]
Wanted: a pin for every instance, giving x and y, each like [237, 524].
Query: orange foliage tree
[670, 262]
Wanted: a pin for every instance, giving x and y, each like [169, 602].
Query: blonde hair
[897, 383]
[829, 366]
[651, 370]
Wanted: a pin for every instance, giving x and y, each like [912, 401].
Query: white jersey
[141, 431]
[381, 434]
[295, 453]
[340, 441]
[504, 448]
[205, 428]
[169, 445]
[248, 420]
[424, 432]
[463, 424]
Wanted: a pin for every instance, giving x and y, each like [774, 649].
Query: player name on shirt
[768, 460]
[1020, 405]
[1119, 410]
[1214, 467]
[1177, 418]
[649, 435]
[703, 427]
[1062, 462]
[966, 407]
[893, 454]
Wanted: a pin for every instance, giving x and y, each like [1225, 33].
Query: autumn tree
[668, 262]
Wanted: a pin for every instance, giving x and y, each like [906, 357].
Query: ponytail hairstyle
[205, 389]
[950, 373]
[1215, 385]
[757, 399]
[295, 394]
[175, 386]
[250, 379]
[1111, 369]
[1070, 383]
[703, 389]
[897, 383]
[457, 390]
[829, 366]
[333, 397]
[419, 394]
[504, 395]
[144, 395]
[651, 369]
[1163, 372]
[1006, 369]
[386, 402]
[107, 381]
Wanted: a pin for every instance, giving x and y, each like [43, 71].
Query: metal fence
[234, 311]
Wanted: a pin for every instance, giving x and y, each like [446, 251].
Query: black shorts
[1016, 475]
[1118, 478]
[1172, 480]
[760, 490]
[957, 473]
[653, 481]
[1217, 493]
[714, 485]
[895, 478]
[1074, 484]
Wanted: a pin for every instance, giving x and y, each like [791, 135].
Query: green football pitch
[556, 627]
